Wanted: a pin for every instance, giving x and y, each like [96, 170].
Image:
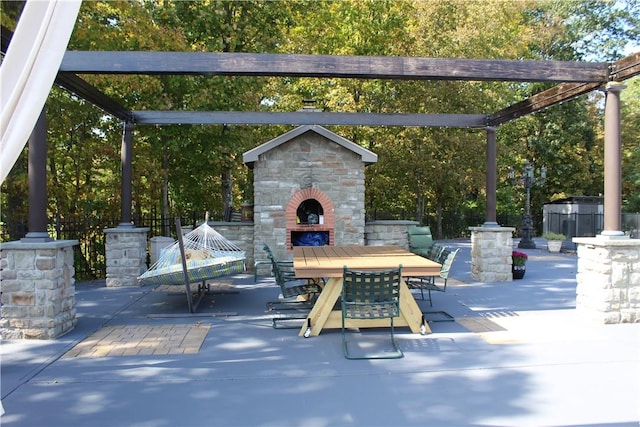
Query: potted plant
[554, 241]
[518, 266]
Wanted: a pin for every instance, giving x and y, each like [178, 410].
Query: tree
[631, 145]
[224, 26]
[426, 171]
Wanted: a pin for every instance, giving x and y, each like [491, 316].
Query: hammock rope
[208, 255]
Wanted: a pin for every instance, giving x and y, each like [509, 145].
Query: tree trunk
[438, 219]
[165, 192]
[227, 193]
[15, 194]
[420, 209]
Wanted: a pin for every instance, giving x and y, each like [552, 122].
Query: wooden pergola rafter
[573, 79]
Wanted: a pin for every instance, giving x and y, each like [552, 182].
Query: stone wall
[241, 235]
[38, 289]
[608, 279]
[379, 233]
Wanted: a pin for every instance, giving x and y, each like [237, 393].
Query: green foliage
[83, 150]
[630, 135]
[554, 236]
[420, 172]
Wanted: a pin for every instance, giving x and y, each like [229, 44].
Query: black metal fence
[588, 225]
[90, 253]
[90, 259]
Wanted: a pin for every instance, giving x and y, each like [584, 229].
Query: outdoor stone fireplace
[308, 189]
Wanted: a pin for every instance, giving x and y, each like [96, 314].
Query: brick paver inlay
[138, 340]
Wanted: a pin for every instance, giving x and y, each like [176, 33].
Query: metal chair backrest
[442, 256]
[435, 251]
[267, 249]
[447, 263]
[371, 294]
[282, 270]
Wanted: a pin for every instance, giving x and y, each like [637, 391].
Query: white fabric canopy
[29, 70]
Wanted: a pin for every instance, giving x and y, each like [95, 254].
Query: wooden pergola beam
[308, 118]
[577, 79]
[368, 67]
[620, 70]
[625, 68]
[540, 101]
[82, 89]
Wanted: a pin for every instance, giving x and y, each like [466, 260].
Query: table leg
[410, 310]
[323, 306]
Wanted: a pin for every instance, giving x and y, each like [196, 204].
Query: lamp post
[527, 180]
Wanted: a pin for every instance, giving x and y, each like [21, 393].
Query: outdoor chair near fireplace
[430, 283]
[297, 294]
[371, 295]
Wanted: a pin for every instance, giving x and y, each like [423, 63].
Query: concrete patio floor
[518, 354]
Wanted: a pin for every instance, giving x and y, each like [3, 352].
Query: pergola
[573, 79]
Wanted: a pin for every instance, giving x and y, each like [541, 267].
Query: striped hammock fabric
[208, 255]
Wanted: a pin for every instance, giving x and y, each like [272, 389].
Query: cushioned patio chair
[420, 239]
[371, 295]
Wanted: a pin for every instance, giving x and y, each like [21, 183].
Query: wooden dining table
[328, 262]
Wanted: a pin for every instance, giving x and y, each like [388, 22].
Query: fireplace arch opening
[310, 219]
[310, 212]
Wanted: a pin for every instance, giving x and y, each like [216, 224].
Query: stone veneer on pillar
[38, 289]
[126, 254]
[491, 249]
[608, 279]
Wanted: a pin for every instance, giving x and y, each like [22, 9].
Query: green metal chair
[371, 295]
[435, 252]
[430, 283]
[285, 276]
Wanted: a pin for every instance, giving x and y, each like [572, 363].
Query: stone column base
[126, 253]
[608, 279]
[491, 248]
[38, 289]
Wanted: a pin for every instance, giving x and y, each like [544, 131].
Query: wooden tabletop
[328, 261]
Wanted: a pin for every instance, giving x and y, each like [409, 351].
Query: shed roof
[584, 200]
[252, 155]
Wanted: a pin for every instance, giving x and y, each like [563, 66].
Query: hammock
[208, 255]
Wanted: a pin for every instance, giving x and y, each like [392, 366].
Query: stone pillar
[608, 279]
[491, 249]
[38, 289]
[126, 253]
